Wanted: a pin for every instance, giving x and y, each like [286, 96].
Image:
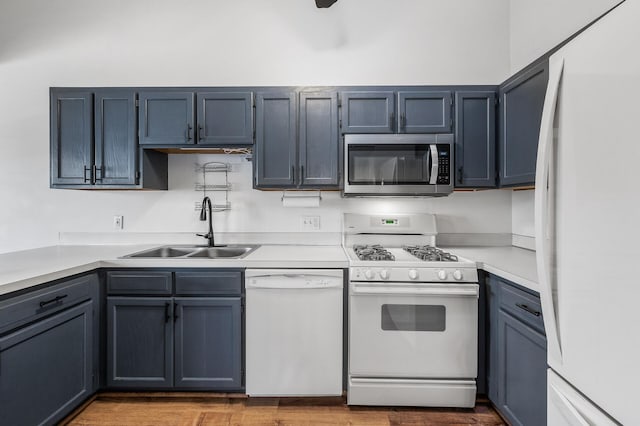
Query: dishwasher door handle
[276, 284]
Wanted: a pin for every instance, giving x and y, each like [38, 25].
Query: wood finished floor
[156, 409]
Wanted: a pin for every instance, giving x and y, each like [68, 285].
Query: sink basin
[195, 252]
[163, 252]
[214, 252]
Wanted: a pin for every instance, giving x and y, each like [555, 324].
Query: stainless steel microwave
[396, 165]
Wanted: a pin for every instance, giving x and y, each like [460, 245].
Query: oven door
[416, 330]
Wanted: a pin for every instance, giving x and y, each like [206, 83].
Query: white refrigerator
[587, 214]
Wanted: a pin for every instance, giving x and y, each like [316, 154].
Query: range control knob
[384, 274]
[457, 274]
[413, 274]
[442, 274]
[369, 274]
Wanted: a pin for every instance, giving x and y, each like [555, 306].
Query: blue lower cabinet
[140, 342]
[517, 353]
[208, 343]
[46, 368]
[189, 338]
[522, 376]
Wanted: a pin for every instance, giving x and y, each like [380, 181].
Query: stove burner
[372, 252]
[430, 253]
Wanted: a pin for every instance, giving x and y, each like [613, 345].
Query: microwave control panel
[444, 166]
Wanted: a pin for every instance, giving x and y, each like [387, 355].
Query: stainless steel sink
[196, 252]
[163, 252]
[227, 252]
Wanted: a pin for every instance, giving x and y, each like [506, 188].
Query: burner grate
[372, 252]
[429, 253]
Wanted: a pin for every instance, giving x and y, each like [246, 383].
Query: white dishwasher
[294, 332]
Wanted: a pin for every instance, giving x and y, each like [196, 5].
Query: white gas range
[413, 315]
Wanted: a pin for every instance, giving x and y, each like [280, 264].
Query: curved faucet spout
[206, 206]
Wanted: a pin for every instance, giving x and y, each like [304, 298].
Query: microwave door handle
[433, 176]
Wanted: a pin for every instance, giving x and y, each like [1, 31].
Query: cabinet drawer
[522, 305]
[31, 306]
[139, 282]
[209, 282]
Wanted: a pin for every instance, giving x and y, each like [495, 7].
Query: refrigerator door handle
[543, 208]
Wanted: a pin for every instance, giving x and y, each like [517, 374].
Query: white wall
[537, 26]
[47, 43]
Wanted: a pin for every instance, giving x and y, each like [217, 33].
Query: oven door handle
[447, 290]
[433, 177]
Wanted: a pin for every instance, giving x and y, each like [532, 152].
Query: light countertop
[23, 269]
[511, 263]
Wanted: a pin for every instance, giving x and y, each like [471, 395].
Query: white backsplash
[522, 219]
[255, 212]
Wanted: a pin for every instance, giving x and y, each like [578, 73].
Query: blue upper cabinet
[225, 118]
[167, 118]
[424, 112]
[319, 151]
[116, 146]
[71, 137]
[521, 102]
[375, 111]
[475, 133]
[275, 150]
[368, 112]
[94, 142]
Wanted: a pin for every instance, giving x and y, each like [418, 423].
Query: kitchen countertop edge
[511, 263]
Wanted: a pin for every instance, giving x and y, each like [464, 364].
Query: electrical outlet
[310, 223]
[118, 222]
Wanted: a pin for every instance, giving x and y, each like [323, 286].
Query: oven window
[388, 164]
[413, 317]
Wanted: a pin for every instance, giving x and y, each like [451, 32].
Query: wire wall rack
[219, 188]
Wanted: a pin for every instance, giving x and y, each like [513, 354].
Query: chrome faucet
[206, 205]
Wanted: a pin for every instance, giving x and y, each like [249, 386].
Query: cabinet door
[319, 148]
[46, 368]
[475, 154]
[139, 342]
[71, 137]
[424, 112]
[522, 377]
[225, 118]
[166, 118]
[368, 112]
[521, 102]
[116, 147]
[208, 343]
[493, 345]
[275, 150]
